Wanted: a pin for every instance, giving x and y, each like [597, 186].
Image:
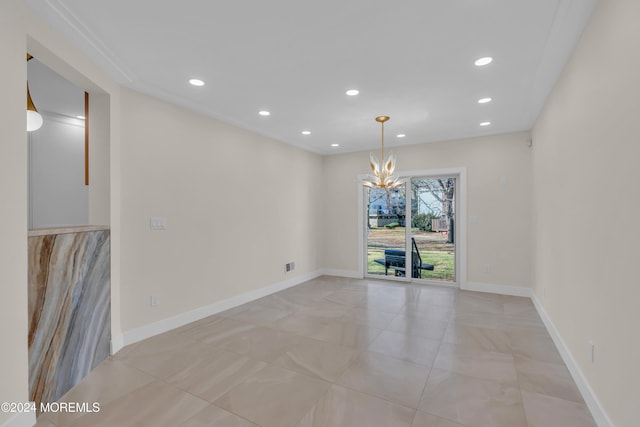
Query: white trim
[117, 343]
[164, 325]
[597, 410]
[22, 419]
[516, 291]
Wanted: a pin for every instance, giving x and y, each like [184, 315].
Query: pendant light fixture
[34, 119]
[383, 177]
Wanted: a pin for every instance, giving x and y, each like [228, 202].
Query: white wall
[587, 207]
[13, 208]
[239, 206]
[501, 235]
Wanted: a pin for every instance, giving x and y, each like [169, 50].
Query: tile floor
[342, 352]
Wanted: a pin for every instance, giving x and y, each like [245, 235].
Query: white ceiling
[411, 59]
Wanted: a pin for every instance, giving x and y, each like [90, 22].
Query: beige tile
[474, 338]
[380, 304]
[348, 298]
[325, 310]
[472, 401]
[477, 363]
[480, 320]
[370, 336]
[260, 343]
[273, 397]
[534, 345]
[433, 295]
[529, 321]
[341, 407]
[166, 360]
[372, 318]
[167, 341]
[477, 302]
[42, 421]
[418, 326]
[519, 306]
[218, 373]
[218, 330]
[413, 349]
[281, 301]
[386, 377]
[546, 411]
[301, 297]
[429, 311]
[346, 334]
[152, 405]
[427, 420]
[317, 359]
[302, 324]
[550, 379]
[212, 416]
[258, 314]
[110, 380]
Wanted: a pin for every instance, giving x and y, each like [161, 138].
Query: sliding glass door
[418, 219]
[433, 217]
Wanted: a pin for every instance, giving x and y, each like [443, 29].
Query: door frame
[460, 173]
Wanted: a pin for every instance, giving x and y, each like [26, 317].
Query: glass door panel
[386, 232]
[433, 208]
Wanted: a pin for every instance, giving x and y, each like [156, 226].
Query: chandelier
[34, 119]
[382, 177]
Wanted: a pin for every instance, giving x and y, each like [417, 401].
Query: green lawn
[443, 263]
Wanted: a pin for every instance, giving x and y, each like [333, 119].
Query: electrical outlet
[592, 352]
[293, 265]
[154, 300]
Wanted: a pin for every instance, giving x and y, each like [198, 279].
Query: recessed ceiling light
[80, 117]
[400, 135]
[352, 92]
[335, 145]
[485, 123]
[264, 113]
[483, 61]
[196, 82]
[306, 132]
[484, 100]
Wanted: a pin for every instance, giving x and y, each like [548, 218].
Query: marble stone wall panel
[69, 310]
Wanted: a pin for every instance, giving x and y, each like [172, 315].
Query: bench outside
[394, 259]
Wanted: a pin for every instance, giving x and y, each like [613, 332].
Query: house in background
[526, 196]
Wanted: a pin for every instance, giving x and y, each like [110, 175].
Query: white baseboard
[23, 419]
[597, 411]
[117, 343]
[164, 325]
[342, 273]
[516, 291]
